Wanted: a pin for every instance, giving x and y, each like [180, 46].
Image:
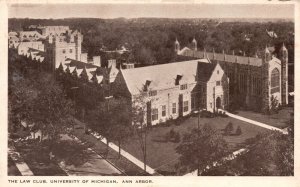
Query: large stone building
[254, 82]
[175, 89]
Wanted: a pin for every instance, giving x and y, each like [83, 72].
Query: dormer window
[147, 84]
[152, 93]
[178, 78]
[183, 87]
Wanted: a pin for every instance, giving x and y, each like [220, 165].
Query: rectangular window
[152, 93]
[185, 106]
[163, 111]
[174, 108]
[193, 100]
[63, 51]
[70, 50]
[154, 114]
[183, 87]
[218, 83]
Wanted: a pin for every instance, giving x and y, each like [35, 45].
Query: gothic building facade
[254, 82]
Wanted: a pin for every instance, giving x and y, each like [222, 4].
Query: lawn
[279, 120]
[162, 155]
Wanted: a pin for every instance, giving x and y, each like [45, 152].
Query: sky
[151, 10]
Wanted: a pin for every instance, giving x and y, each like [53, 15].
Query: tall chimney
[83, 57]
[112, 63]
[97, 61]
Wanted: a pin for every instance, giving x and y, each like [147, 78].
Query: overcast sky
[151, 10]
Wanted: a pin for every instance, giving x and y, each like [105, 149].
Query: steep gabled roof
[163, 76]
[205, 71]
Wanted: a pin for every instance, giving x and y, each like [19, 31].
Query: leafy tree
[111, 121]
[36, 98]
[270, 154]
[138, 114]
[200, 148]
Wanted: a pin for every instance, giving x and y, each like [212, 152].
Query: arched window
[275, 78]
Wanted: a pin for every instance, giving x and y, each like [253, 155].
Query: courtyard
[161, 154]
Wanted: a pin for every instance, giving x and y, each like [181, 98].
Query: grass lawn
[162, 156]
[279, 120]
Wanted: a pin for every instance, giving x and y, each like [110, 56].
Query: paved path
[130, 157]
[228, 158]
[18, 160]
[254, 122]
[96, 165]
[124, 153]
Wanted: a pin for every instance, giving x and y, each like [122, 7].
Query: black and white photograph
[150, 89]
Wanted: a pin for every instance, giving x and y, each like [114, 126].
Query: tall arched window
[275, 78]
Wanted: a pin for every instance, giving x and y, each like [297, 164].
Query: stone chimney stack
[112, 63]
[97, 61]
[83, 57]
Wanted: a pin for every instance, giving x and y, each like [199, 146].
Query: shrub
[177, 137]
[172, 133]
[228, 129]
[238, 131]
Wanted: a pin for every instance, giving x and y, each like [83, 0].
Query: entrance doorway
[218, 103]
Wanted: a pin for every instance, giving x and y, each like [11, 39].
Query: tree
[112, 122]
[138, 115]
[200, 148]
[270, 154]
[37, 99]
[121, 126]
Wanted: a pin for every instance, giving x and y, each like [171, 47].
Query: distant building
[59, 48]
[53, 30]
[29, 36]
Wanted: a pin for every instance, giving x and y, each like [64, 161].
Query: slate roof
[164, 76]
[205, 71]
[79, 64]
[222, 57]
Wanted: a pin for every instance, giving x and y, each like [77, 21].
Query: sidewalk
[18, 160]
[254, 122]
[96, 165]
[228, 158]
[124, 153]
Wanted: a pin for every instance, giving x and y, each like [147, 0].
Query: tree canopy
[201, 148]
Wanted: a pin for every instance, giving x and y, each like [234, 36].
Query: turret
[267, 55]
[283, 56]
[177, 46]
[224, 55]
[194, 44]
[78, 40]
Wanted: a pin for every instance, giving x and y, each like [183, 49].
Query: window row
[154, 111]
[70, 51]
